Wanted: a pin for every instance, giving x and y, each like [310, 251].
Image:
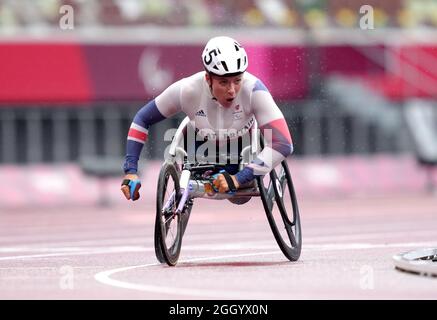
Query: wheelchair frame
[178, 206]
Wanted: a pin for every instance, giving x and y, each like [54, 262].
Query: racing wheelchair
[180, 182]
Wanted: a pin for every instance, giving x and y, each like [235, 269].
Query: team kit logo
[200, 113]
[237, 113]
[205, 144]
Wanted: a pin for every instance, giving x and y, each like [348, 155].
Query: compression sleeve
[138, 133]
[164, 106]
[278, 143]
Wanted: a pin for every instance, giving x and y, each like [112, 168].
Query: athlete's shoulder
[193, 84]
[180, 93]
[193, 81]
[191, 89]
[251, 83]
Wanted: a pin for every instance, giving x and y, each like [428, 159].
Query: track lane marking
[219, 236]
[105, 276]
[72, 251]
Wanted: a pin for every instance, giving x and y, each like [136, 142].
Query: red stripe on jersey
[133, 133]
[281, 126]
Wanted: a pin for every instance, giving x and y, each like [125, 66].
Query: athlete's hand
[131, 187]
[221, 184]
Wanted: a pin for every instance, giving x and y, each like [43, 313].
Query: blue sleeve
[138, 133]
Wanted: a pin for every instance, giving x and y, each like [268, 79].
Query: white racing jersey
[193, 97]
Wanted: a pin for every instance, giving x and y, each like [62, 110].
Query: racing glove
[225, 182]
[131, 187]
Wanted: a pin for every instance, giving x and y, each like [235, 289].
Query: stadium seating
[207, 13]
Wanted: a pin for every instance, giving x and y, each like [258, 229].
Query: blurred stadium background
[360, 103]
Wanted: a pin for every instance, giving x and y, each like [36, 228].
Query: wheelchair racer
[222, 98]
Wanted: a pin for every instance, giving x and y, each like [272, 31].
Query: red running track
[228, 252]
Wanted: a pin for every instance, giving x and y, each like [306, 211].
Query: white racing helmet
[224, 56]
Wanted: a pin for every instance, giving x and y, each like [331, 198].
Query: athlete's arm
[278, 143]
[164, 106]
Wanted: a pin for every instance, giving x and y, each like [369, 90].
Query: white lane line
[105, 278]
[74, 253]
[49, 268]
[203, 237]
[249, 245]
[84, 243]
[41, 249]
[350, 246]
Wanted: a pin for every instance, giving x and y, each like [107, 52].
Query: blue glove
[131, 189]
[230, 183]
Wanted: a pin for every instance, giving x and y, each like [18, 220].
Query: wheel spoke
[168, 229]
[270, 196]
[169, 204]
[169, 219]
[170, 236]
[285, 215]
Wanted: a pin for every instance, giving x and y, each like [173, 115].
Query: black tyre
[280, 204]
[168, 226]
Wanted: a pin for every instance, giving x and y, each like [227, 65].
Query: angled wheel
[168, 224]
[280, 204]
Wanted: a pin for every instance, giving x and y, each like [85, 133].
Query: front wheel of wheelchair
[168, 224]
[280, 204]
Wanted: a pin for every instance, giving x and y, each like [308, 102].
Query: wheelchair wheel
[168, 224]
[280, 204]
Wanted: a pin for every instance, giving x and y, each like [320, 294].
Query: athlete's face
[225, 89]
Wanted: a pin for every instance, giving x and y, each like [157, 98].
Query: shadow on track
[241, 264]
